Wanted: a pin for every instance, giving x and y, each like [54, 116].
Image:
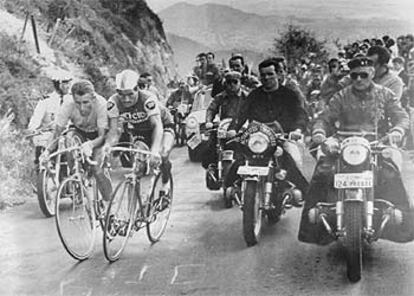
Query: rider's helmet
[126, 80]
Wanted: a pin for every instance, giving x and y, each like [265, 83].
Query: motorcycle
[216, 173]
[262, 189]
[180, 113]
[356, 216]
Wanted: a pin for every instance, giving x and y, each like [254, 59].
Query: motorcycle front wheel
[353, 239]
[252, 213]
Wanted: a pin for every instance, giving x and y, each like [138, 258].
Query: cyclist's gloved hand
[155, 160]
[231, 133]
[395, 137]
[87, 148]
[209, 125]
[44, 157]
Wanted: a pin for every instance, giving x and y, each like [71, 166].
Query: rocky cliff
[102, 37]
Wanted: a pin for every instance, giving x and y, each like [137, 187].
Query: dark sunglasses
[125, 92]
[232, 81]
[363, 75]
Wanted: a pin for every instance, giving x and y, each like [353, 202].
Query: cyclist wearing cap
[140, 111]
[86, 110]
[361, 106]
[137, 110]
[45, 112]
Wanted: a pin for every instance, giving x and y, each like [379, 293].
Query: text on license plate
[358, 180]
[194, 141]
[253, 170]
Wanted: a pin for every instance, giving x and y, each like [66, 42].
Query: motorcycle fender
[228, 155]
[251, 178]
[354, 195]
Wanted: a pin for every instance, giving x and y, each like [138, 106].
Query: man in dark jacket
[227, 104]
[273, 102]
[361, 107]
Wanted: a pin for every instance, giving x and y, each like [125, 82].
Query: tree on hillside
[297, 43]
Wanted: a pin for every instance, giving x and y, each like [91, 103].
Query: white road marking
[142, 273]
[63, 284]
[189, 266]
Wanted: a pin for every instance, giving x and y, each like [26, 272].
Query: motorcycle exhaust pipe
[339, 210]
[324, 220]
[392, 215]
[268, 192]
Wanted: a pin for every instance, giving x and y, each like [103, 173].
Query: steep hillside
[103, 36]
[95, 40]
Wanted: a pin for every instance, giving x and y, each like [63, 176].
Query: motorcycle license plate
[359, 180]
[253, 170]
[194, 142]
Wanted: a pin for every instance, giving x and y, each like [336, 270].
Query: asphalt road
[201, 253]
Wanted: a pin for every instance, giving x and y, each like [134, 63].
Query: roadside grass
[16, 164]
[21, 85]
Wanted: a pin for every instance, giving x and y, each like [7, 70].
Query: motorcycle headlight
[258, 142]
[192, 123]
[355, 154]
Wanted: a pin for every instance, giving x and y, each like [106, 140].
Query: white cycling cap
[126, 80]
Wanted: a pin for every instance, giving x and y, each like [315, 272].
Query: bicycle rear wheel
[119, 220]
[159, 208]
[75, 219]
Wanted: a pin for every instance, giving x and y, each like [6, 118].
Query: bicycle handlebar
[38, 132]
[133, 150]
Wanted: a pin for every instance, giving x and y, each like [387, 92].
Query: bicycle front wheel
[119, 220]
[159, 209]
[75, 219]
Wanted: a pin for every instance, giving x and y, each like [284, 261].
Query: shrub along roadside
[21, 85]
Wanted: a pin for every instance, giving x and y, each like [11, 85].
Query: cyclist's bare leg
[103, 181]
[168, 140]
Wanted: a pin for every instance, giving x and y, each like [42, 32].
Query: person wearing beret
[361, 106]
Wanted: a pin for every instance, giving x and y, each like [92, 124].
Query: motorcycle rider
[273, 102]
[181, 95]
[227, 105]
[45, 112]
[86, 110]
[362, 106]
[237, 64]
[336, 80]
